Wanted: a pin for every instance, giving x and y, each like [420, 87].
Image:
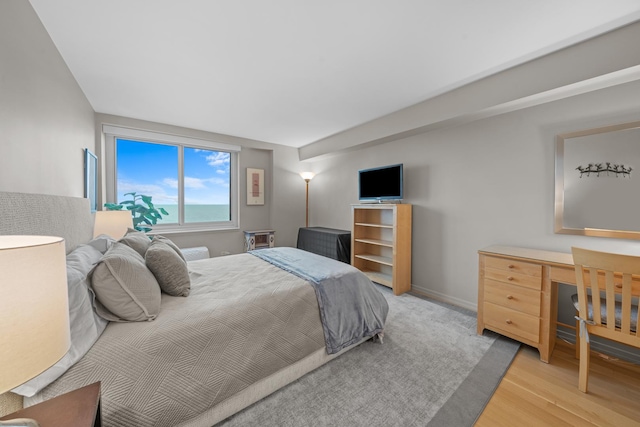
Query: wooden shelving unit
[381, 244]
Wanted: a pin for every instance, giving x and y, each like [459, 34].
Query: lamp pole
[307, 194]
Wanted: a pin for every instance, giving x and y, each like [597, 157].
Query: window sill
[191, 229]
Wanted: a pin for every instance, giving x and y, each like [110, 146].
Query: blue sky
[152, 169]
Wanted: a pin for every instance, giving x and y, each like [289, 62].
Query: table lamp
[112, 223]
[34, 312]
[307, 176]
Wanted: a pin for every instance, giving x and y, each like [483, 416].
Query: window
[193, 182]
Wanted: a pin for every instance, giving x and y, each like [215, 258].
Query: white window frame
[111, 133]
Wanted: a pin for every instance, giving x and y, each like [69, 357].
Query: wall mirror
[598, 182]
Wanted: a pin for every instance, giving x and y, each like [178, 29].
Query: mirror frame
[559, 185]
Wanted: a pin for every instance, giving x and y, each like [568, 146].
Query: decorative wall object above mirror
[598, 182]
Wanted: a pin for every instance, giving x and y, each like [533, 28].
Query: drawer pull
[510, 278]
[509, 296]
[511, 266]
[509, 321]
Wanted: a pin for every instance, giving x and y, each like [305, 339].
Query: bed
[251, 324]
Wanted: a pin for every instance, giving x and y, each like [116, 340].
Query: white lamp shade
[112, 223]
[34, 307]
[307, 176]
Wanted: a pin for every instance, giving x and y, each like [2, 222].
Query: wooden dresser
[517, 293]
[512, 295]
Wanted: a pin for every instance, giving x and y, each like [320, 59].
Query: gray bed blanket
[351, 308]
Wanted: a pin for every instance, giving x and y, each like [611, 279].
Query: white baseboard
[444, 298]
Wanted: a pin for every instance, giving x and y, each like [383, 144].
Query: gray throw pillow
[170, 270]
[136, 240]
[126, 291]
[171, 244]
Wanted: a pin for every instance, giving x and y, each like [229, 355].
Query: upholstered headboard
[43, 214]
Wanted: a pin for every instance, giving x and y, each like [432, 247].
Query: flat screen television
[380, 184]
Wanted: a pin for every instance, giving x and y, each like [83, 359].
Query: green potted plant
[144, 213]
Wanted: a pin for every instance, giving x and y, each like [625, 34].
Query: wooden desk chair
[598, 273]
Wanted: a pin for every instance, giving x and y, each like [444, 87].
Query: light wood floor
[533, 393]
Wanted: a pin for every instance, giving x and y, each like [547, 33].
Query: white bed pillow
[86, 325]
[126, 291]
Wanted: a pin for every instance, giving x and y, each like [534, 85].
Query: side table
[78, 408]
[259, 239]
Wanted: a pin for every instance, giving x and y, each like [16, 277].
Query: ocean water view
[195, 213]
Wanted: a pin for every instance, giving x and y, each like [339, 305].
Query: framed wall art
[596, 182]
[91, 179]
[255, 187]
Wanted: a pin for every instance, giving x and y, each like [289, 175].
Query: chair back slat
[582, 291]
[610, 293]
[595, 294]
[625, 325]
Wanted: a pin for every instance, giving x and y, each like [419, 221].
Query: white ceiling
[296, 71]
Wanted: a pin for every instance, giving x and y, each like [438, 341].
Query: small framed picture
[91, 179]
[255, 187]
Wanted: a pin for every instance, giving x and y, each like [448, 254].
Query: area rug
[432, 369]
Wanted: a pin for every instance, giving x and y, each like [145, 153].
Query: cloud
[195, 183]
[157, 192]
[218, 159]
[190, 182]
[170, 182]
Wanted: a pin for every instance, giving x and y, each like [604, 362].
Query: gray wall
[45, 120]
[483, 183]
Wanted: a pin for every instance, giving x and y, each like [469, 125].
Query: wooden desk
[78, 408]
[518, 293]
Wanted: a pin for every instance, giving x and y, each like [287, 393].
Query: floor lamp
[307, 176]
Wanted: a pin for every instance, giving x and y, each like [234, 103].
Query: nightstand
[78, 408]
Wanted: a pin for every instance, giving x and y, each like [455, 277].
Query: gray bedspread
[351, 308]
[243, 321]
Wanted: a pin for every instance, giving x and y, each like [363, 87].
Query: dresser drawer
[514, 322]
[510, 265]
[511, 296]
[514, 278]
